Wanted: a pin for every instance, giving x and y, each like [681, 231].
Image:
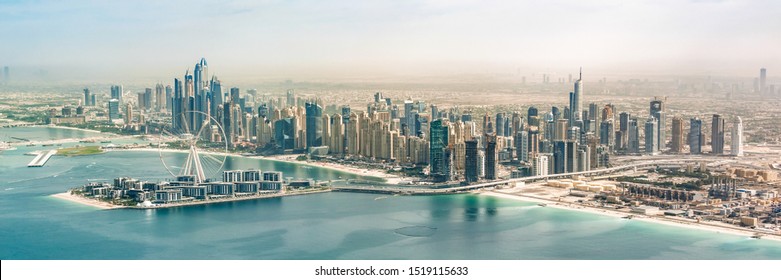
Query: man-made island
[184, 190]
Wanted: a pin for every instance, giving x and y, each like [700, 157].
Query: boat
[757, 236]
[105, 141]
[629, 217]
[542, 204]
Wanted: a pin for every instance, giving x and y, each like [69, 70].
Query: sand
[85, 201]
[679, 222]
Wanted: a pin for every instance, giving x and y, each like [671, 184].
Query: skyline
[341, 40]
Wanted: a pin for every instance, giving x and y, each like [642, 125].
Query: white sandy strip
[76, 128]
[85, 201]
[659, 220]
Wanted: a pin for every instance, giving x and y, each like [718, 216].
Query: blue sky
[344, 39]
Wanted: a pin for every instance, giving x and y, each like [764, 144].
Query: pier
[41, 159]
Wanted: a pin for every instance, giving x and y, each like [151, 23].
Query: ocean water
[34, 225]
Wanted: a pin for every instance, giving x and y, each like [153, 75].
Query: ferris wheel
[204, 139]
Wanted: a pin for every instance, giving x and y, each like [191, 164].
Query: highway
[605, 171]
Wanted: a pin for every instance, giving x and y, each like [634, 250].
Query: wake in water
[416, 231]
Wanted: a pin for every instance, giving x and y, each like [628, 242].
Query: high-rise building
[490, 158]
[116, 92]
[500, 120]
[89, 98]
[471, 161]
[576, 101]
[128, 113]
[291, 98]
[438, 142]
[717, 135]
[540, 165]
[160, 101]
[168, 99]
[633, 136]
[763, 80]
[651, 139]
[657, 112]
[695, 136]
[6, 75]
[314, 124]
[737, 137]
[113, 109]
[677, 134]
[532, 112]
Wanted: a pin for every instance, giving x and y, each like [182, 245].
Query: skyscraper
[490, 157]
[160, 102]
[314, 124]
[717, 135]
[695, 136]
[116, 92]
[113, 110]
[633, 136]
[438, 142]
[471, 161]
[576, 101]
[89, 98]
[737, 137]
[651, 139]
[657, 112]
[677, 135]
[763, 80]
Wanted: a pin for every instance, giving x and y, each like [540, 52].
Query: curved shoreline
[715, 228]
[389, 178]
[85, 201]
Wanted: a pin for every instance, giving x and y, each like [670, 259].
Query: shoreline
[389, 178]
[73, 128]
[68, 196]
[705, 226]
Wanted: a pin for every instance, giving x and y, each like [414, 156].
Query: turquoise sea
[34, 225]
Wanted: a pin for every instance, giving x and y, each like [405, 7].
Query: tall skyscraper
[314, 124]
[657, 112]
[113, 110]
[717, 135]
[471, 161]
[576, 101]
[737, 137]
[128, 113]
[116, 92]
[532, 112]
[677, 135]
[695, 136]
[168, 99]
[6, 75]
[490, 158]
[651, 139]
[159, 97]
[438, 142]
[633, 136]
[763, 80]
[89, 98]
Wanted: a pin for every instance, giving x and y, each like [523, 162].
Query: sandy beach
[76, 128]
[679, 222]
[390, 178]
[85, 201]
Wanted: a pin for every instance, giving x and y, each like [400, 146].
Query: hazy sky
[353, 39]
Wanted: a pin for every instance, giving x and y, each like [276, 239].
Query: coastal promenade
[474, 187]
